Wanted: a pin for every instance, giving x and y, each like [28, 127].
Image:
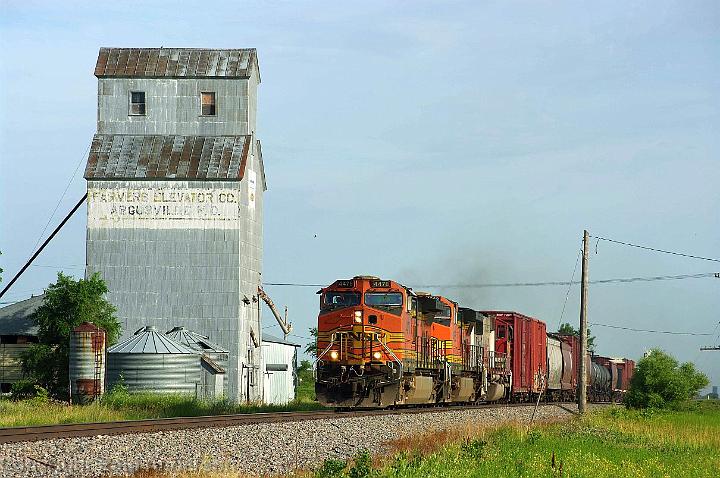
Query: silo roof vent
[149, 341]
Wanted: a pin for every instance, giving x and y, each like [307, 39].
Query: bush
[362, 466]
[331, 469]
[66, 304]
[26, 390]
[660, 382]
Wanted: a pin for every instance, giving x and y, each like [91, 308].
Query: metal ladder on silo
[98, 346]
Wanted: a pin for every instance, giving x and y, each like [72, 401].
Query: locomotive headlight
[377, 355]
[334, 354]
[358, 317]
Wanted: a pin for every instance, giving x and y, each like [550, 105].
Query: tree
[660, 381]
[305, 366]
[66, 304]
[567, 329]
[311, 348]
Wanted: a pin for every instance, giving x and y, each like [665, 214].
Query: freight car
[381, 344]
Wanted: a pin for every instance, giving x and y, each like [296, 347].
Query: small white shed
[280, 370]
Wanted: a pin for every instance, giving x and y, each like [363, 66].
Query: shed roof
[16, 319]
[149, 341]
[175, 63]
[276, 340]
[120, 156]
[211, 364]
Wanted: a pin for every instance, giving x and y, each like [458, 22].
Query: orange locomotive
[381, 344]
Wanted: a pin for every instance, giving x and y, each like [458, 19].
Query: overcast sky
[442, 143]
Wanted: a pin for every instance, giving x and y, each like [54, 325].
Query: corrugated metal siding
[172, 107]
[186, 272]
[194, 265]
[10, 364]
[87, 364]
[159, 373]
[279, 385]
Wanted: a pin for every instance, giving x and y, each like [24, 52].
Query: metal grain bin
[151, 362]
[87, 363]
[214, 361]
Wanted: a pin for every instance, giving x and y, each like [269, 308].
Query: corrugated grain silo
[87, 363]
[151, 362]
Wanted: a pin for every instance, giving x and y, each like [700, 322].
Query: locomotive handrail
[392, 354]
[327, 349]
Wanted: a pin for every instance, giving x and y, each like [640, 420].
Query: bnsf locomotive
[380, 344]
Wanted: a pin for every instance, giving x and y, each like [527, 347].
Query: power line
[648, 331]
[528, 284]
[656, 250]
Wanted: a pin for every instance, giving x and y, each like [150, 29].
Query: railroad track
[46, 432]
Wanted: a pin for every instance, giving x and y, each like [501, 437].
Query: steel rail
[74, 430]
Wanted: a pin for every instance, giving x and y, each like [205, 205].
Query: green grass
[306, 386]
[605, 444]
[125, 406]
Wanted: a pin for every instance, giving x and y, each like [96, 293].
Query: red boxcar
[629, 372]
[625, 369]
[524, 339]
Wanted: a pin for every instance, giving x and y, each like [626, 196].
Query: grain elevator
[175, 184]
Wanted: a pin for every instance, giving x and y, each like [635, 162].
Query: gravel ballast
[254, 449]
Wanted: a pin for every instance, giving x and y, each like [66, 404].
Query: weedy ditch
[609, 443]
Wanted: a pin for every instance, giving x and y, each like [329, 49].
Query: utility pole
[582, 369]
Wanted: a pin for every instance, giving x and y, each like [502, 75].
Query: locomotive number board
[346, 283]
[375, 284]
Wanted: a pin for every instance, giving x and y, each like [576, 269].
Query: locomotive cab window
[337, 300]
[388, 301]
[443, 316]
[137, 103]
